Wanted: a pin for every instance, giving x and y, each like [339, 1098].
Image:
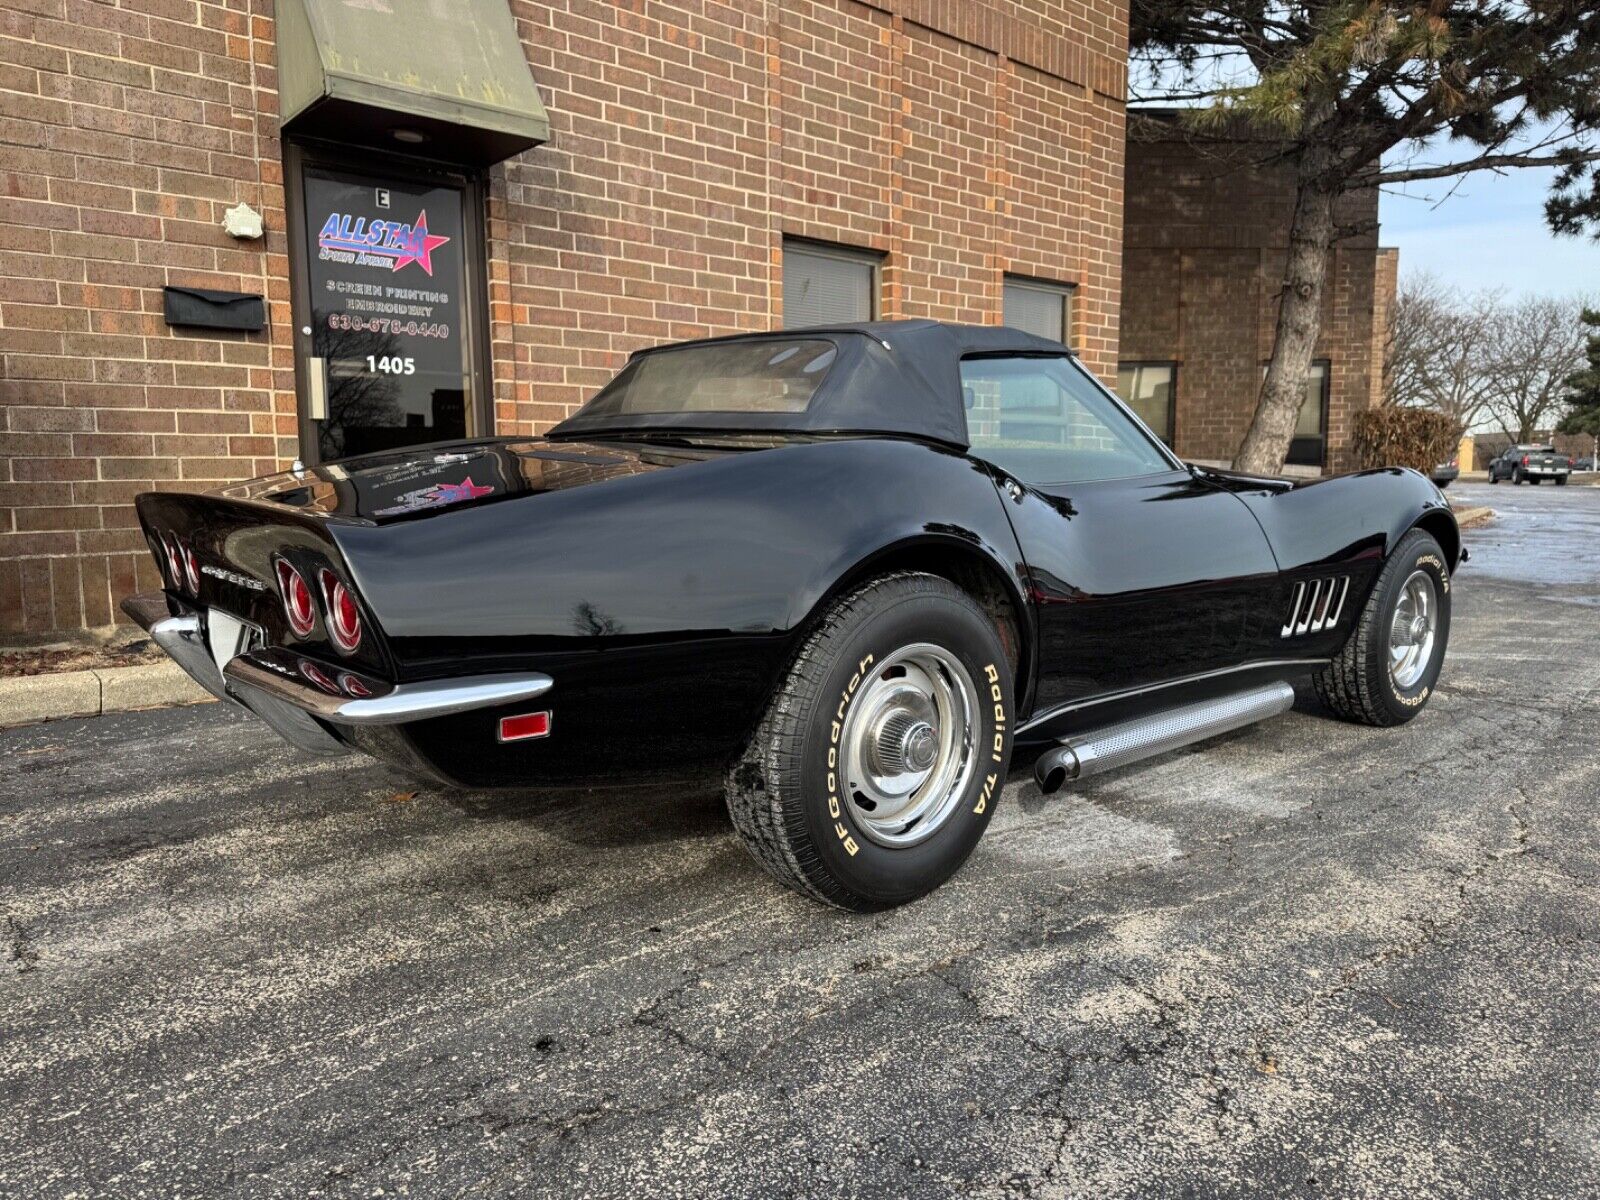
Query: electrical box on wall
[204, 308]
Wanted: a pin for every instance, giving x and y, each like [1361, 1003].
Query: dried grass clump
[1404, 437]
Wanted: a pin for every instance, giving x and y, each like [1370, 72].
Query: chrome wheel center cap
[1419, 629]
[920, 747]
[905, 743]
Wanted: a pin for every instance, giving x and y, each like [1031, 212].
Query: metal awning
[443, 78]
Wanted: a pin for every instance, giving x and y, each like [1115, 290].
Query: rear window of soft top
[779, 375]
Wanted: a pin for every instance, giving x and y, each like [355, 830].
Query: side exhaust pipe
[1114, 746]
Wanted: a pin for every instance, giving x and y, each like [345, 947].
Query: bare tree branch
[1487, 162]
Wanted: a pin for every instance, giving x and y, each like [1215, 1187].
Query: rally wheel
[1390, 664]
[879, 761]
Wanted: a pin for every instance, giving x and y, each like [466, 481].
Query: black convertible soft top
[901, 377]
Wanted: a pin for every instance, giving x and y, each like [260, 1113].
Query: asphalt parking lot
[1307, 959]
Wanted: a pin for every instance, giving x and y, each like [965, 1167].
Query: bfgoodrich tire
[878, 764]
[1388, 668]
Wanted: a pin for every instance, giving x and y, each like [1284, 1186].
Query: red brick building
[706, 165]
[1204, 245]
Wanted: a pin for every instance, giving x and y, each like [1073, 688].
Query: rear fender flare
[967, 560]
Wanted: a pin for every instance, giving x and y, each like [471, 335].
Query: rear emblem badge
[435, 496]
[233, 577]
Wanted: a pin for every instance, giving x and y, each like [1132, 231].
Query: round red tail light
[191, 569]
[169, 543]
[297, 603]
[344, 618]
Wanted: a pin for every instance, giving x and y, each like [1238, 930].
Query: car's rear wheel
[1388, 667]
[879, 761]
[1516, 474]
[1561, 481]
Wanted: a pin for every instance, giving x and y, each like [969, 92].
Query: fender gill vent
[1315, 605]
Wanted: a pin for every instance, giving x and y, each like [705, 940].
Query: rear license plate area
[227, 636]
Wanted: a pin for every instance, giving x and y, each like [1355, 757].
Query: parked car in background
[1586, 463]
[1531, 463]
[1445, 473]
[844, 570]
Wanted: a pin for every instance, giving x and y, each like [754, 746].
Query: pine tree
[1583, 387]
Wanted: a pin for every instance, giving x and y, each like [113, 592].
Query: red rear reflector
[354, 687]
[318, 676]
[528, 725]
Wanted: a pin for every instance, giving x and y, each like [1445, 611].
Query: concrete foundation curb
[28, 699]
[1470, 518]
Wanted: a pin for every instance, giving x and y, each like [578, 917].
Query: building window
[1042, 309]
[1309, 447]
[828, 285]
[1148, 388]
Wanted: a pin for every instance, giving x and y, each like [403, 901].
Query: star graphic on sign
[420, 245]
[450, 493]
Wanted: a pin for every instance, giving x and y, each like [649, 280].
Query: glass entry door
[388, 324]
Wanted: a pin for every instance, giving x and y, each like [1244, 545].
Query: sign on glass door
[390, 361]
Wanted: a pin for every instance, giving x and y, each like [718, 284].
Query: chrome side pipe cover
[1113, 746]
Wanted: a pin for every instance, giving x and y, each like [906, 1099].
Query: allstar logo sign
[393, 244]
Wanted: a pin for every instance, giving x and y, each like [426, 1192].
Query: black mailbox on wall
[207, 309]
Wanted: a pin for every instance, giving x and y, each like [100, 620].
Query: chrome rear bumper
[401, 702]
[281, 687]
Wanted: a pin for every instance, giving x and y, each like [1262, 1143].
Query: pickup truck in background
[1531, 464]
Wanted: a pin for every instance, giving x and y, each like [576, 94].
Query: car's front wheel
[1389, 666]
[879, 761]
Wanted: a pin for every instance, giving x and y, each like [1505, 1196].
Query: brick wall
[1204, 247]
[963, 139]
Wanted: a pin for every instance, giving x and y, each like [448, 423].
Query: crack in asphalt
[23, 952]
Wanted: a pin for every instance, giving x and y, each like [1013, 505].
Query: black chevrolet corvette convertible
[847, 571]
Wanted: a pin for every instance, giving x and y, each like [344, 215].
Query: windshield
[766, 376]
